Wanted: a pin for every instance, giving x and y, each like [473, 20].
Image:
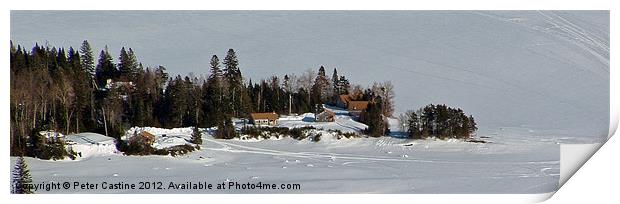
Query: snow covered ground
[164, 138]
[343, 121]
[512, 162]
[515, 160]
[91, 144]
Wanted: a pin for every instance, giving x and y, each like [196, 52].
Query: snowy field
[512, 162]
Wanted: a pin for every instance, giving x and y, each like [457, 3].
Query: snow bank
[91, 144]
[342, 122]
[164, 138]
[159, 131]
[169, 141]
[51, 134]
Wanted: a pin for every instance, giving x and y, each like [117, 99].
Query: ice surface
[511, 163]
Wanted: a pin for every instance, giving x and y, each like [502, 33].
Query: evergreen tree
[38, 143]
[195, 101]
[124, 66]
[134, 65]
[335, 79]
[414, 126]
[286, 84]
[21, 178]
[139, 113]
[128, 65]
[471, 125]
[196, 136]
[427, 120]
[105, 68]
[155, 91]
[188, 116]
[234, 83]
[213, 97]
[74, 61]
[61, 59]
[301, 101]
[441, 121]
[232, 65]
[225, 129]
[374, 119]
[245, 102]
[320, 93]
[88, 59]
[81, 83]
[342, 86]
[176, 102]
[51, 61]
[445, 122]
[273, 96]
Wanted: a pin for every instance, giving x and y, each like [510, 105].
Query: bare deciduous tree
[385, 90]
[66, 96]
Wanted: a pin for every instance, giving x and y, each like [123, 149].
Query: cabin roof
[345, 98]
[146, 134]
[357, 105]
[269, 116]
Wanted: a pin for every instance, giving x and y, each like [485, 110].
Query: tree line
[70, 91]
[438, 121]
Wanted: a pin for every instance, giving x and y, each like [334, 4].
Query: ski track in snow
[566, 30]
[228, 147]
[578, 36]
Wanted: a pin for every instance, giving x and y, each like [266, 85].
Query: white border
[580, 182]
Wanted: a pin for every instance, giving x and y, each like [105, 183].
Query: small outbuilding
[144, 137]
[325, 116]
[354, 107]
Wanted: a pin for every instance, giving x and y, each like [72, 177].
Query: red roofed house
[357, 107]
[343, 101]
[264, 118]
